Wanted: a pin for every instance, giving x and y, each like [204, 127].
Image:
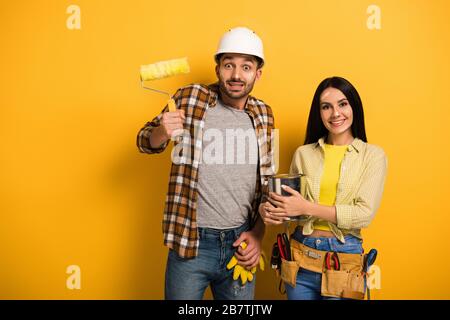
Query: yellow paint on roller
[164, 69]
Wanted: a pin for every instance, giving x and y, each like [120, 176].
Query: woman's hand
[284, 207]
[266, 215]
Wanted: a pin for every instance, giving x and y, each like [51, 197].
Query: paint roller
[164, 69]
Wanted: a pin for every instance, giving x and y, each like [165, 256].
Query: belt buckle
[313, 254]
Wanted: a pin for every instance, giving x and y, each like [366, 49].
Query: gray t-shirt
[228, 170]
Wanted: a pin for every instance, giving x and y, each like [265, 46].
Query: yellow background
[76, 191]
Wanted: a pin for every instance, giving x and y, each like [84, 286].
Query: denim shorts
[309, 283]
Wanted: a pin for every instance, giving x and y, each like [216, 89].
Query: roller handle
[172, 106]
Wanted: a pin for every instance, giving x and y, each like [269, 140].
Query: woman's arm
[327, 213]
[367, 200]
[357, 215]
[296, 205]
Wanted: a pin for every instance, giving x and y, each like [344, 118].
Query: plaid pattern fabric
[359, 190]
[179, 221]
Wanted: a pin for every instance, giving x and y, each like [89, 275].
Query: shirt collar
[356, 145]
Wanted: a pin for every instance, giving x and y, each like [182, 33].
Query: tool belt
[343, 274]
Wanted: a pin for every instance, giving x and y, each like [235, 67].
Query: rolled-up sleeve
[143, 137]
[270, 139]
[367, 200]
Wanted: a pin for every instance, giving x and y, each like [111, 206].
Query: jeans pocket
[289, 270]
[173, 255]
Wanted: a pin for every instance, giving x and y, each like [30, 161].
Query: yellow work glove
[240, 271]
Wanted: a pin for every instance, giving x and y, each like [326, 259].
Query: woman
[344, 179]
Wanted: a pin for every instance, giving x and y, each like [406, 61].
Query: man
[214, 188]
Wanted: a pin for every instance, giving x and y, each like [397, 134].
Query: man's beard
[235, 95]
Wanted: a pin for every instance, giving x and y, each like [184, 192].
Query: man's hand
[248, 257]
[171, 125]
[240, 272]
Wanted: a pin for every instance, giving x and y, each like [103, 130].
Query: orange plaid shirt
[179, 220]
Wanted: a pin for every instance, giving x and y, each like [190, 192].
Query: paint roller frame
[164, 69]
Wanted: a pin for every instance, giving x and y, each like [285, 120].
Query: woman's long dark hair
[316, 129]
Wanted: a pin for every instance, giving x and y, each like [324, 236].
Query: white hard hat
[241, 40]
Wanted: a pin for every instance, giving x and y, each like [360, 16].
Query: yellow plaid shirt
[359, 190]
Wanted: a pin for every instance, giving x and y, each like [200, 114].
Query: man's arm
[171, 124]
[155, 135]
[249, 257]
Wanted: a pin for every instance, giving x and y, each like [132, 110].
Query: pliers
[281, 246]
[275, 260]
[284, 246]
[334, 256]
[287, 246]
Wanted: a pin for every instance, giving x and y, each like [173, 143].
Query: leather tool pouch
[343, 284]
[346, 282]
[289, 270]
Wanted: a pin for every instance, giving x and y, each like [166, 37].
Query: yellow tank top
[330, 178]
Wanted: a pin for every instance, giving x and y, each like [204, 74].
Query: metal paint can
[291, 180]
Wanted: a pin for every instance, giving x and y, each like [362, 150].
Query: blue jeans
[187, 279]
[308, 284]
